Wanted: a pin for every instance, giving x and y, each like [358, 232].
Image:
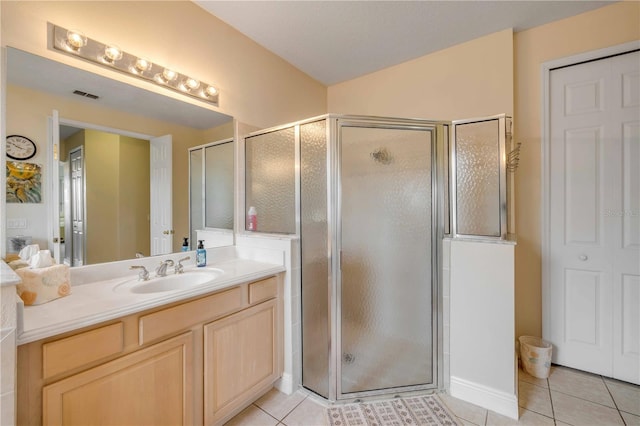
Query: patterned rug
[418, 410]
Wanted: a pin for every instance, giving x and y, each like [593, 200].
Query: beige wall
[604, 27]
[134, 208]
[102, 177]
[468, 80]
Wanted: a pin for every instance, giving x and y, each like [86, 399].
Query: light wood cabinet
[153, 386]
[199, 361]
[240, 359]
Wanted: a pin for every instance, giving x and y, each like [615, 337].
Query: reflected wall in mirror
[211, 183]
[36, 86]
[111, 220]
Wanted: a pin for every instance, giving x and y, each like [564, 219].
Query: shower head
[381, 155]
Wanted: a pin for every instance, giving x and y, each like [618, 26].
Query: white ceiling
[335, 41]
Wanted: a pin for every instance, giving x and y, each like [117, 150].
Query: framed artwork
[24, 182]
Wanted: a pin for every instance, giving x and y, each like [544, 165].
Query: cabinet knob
[583, 257]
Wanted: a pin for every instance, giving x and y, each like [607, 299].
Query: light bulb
[112, 54]
[189, 84]
[169, 75]
[192, 83]
[210, 91]
[76, 40]
[142, 65]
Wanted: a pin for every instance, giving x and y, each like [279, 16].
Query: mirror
[36, 86]
[211, 171]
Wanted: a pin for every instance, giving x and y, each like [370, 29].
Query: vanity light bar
[74, 43]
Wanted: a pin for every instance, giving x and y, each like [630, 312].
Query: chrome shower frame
[505, 182]
[439, 221]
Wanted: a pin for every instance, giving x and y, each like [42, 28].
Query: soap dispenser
[201, 254]
[185, 244]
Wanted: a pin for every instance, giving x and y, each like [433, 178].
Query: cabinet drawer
[181, 317]
[75, 351]
[263, 290]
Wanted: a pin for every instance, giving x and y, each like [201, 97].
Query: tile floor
[567, 397]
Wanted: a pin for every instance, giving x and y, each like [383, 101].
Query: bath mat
[417, 410]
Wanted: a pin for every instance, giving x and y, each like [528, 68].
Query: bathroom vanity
[197, 355]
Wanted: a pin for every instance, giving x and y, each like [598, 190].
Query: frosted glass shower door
[386, 295]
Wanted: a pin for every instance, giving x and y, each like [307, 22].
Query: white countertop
[96, 302]
[7, 276]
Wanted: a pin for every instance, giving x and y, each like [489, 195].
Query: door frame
[55, 121]
[545, 195]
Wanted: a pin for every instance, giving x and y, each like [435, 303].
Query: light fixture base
[100, 54]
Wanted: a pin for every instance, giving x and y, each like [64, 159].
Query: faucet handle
[143, 275]
[179, 266]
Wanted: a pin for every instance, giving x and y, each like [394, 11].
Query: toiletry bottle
[201, 254]
[185, 244]
[252, 219]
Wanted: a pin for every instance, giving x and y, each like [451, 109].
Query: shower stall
[368, 202]
[369, 199]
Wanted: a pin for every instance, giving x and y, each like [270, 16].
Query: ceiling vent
[85, 94]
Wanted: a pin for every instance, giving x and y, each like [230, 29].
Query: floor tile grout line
[293, 409]
[264, 411]
[584, 399]
[553, 411]
[606, 386]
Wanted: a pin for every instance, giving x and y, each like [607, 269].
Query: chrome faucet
[161, 271]
[179, 267]
[143, 275]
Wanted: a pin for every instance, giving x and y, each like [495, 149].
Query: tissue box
[41, 285]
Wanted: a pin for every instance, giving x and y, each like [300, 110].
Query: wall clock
[20, 147]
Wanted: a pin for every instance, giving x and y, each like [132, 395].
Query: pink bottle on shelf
[252, 219]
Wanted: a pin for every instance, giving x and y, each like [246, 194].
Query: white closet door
[594, 250]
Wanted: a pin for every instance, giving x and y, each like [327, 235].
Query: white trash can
[535, 354]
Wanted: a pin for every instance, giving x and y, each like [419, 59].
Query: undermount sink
[168, 283]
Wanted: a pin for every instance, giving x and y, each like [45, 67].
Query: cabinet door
[241, 359]
[153, 386]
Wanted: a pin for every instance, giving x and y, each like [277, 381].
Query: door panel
[582, 301]
[631, 186]
[76, 245]
[386, 270]
[582, 181]
[595, 216]
[161, 195]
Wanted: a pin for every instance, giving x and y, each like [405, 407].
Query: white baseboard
[486, 397]
[285, 384]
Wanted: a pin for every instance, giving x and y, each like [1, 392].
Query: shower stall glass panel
[386, 269]
[270, 185]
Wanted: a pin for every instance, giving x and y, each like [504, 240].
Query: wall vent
[85, 94]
